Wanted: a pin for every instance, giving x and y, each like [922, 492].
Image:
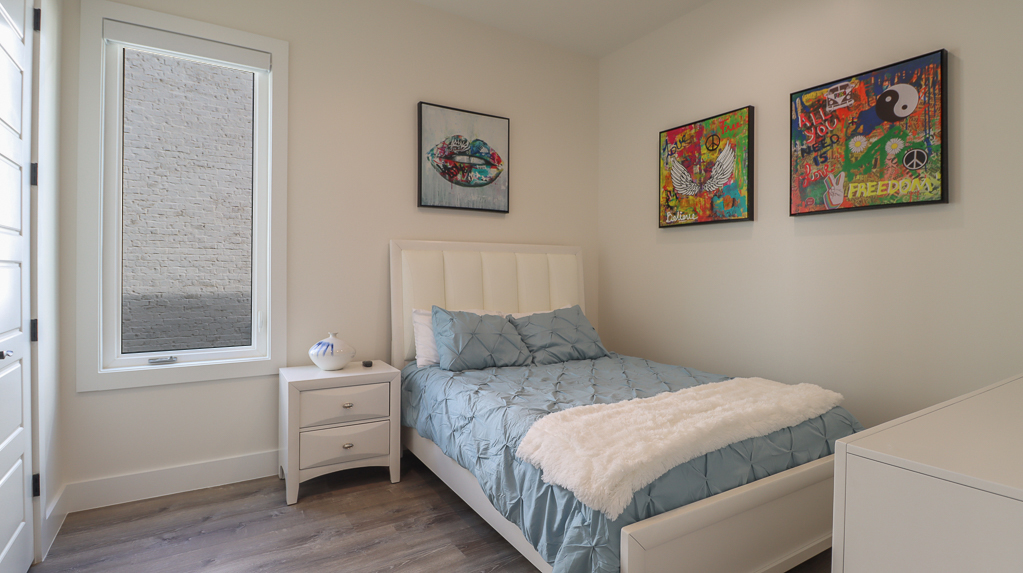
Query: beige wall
[357, 71]
[897, 308]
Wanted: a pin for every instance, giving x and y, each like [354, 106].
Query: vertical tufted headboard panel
[489, 276]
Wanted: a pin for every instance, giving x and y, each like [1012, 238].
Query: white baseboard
[113, 490]
[53, 517]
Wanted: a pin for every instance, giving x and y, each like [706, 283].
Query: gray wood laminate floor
[353, 521]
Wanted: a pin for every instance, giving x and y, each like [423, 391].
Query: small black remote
[367, 363]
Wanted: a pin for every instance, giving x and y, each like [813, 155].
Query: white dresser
[337, 420]
[937, 491]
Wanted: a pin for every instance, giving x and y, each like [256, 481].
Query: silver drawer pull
[348, 446]
[347, 405]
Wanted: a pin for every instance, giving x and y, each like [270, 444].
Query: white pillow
[422, 331]
[521, 314]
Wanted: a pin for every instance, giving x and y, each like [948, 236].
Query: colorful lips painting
[463, 159]
[466, 163]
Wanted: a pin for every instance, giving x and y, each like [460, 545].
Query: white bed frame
[767, 526]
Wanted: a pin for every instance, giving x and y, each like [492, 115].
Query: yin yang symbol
[897, 103]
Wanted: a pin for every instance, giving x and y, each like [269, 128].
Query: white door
[15, 391]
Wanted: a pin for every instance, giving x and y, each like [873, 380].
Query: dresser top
[975, 440]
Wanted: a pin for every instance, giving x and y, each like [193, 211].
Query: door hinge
[33, 332]
[37, 18]
[33, 174]
[35, 485]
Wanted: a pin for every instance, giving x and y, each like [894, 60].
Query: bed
[770, 524]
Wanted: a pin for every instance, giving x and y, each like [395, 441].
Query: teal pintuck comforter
[478, 417]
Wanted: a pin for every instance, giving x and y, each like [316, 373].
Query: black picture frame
[693, 187]
[871, 140]
[463, 159]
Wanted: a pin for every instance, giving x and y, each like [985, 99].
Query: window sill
[135, 377]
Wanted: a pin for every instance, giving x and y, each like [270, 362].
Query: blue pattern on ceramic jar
[331, 353]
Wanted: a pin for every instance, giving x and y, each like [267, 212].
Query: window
[186, 205]
[182, 177]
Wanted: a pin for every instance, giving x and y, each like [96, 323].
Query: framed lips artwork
[875, 139]
[463, 159]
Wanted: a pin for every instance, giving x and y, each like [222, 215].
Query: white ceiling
[590, 27]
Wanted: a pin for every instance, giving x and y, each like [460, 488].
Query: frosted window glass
[187, 197]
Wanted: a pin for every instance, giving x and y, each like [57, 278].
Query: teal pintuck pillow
[468, 341]
[559, 336]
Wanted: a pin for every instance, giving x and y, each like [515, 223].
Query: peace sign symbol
[915, 159]
[712, 142]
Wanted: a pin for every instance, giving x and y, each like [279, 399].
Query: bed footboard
[767, 526]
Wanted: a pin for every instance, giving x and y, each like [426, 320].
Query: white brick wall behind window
[187, 205]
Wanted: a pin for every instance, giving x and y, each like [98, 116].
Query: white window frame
[107, 29]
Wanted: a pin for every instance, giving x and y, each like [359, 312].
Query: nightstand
[337, 420]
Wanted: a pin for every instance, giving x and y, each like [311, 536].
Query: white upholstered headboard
[488, 276]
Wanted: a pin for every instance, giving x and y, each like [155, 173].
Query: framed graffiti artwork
[463, 159]
[706, 171]
[876, 139]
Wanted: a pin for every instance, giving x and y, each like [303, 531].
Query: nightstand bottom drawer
[337, 445]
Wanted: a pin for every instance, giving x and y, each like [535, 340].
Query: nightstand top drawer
[347, 404]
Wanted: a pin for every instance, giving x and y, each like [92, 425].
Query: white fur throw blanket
[604, 453]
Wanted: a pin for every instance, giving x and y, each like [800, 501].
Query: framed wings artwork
[706, 170]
